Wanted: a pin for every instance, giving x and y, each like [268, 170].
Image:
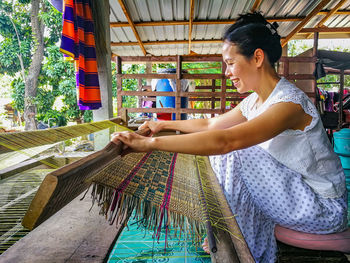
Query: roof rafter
[199, 22]
[167, 42]
[190, 25]
[255, 5]
[132, 25]
[329, 14]
[170, 42]
[325, 30]
[313, 13]
[339, 12]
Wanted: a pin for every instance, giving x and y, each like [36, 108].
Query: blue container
[345, 161]
[162, 101]
[341, 142]
[168, 102]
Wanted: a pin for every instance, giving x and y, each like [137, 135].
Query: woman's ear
[259, 57]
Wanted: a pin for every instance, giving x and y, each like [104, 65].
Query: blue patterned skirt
[263, 192]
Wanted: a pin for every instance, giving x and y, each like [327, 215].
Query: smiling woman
[270, 154]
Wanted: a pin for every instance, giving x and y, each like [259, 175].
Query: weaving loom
[166, 190]
[163, 188]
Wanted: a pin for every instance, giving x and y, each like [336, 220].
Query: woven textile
[78, 42]
[165, 191]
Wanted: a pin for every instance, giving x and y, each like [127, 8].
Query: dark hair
[252, 31]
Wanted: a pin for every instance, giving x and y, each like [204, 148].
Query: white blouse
[307, 152]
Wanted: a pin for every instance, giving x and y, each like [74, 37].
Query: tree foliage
[56, 82]
[16, 33]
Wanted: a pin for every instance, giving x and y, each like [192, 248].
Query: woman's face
[240, 69]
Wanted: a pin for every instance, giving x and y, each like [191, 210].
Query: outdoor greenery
[55, 98]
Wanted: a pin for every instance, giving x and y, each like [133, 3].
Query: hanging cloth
[78, 42]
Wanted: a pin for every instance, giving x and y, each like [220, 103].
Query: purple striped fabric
[78, 42]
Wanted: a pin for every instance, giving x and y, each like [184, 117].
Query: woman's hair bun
[252, 31]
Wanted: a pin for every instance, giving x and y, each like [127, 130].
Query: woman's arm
[276, 119]
[223, 121]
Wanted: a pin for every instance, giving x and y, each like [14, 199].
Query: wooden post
[149, 81]
[139, 88]
[178, 88]
[281, 64]
[286, 69]
[213, 98]
[223, 89]
[103, 57]
[119, 84]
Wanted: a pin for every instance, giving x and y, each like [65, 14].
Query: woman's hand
[205, 245]
[132, 141]
[154, 126]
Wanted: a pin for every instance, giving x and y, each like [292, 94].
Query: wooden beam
[148, 76]
[170, 59]
[339, 12]
[132, 25]
[211, 94]
[298, 59]
[63, 185]
[200, 22]
[314, 12]
[170, 76]
[215, 99]
[190, 25]
[172, 110]
[172, 42]
[116, 44]
[325, 35]
[255, 5]
[326, 30]
[285, 19]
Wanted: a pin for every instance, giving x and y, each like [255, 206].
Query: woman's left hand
[133, 141]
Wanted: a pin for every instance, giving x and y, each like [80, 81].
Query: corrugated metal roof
[204, 10]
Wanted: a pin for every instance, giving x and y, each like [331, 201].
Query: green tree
[15, 31]
[45, 74]
[23, 46]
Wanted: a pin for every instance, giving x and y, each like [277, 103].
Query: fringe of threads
[118, 204]
[147, 214]
[164, 208]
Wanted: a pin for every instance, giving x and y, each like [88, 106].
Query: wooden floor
[73, 234]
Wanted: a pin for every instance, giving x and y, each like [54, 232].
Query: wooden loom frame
[66, 183]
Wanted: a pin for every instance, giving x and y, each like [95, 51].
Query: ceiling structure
[181, 27]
